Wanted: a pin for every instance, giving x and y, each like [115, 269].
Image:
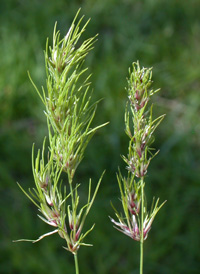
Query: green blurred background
[164, 34]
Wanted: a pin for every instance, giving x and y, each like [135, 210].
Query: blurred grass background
[164, 34]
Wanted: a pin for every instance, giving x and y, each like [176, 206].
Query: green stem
[76, 263]
[72, 194]
[73, 205]
[141, 226]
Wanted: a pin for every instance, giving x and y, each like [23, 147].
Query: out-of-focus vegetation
[160, 33]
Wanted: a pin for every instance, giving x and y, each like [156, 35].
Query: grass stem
[76, 263]
[141, 229]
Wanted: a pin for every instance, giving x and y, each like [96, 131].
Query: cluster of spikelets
[139, 126]
[69, 112]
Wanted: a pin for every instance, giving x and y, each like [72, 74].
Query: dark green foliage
[161, 33]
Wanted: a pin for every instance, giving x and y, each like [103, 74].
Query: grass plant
[136, 221]
[69, 113]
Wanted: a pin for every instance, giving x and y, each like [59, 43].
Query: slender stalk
[72, 193]
[76, 263]
[141, 226]
[73, 204]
